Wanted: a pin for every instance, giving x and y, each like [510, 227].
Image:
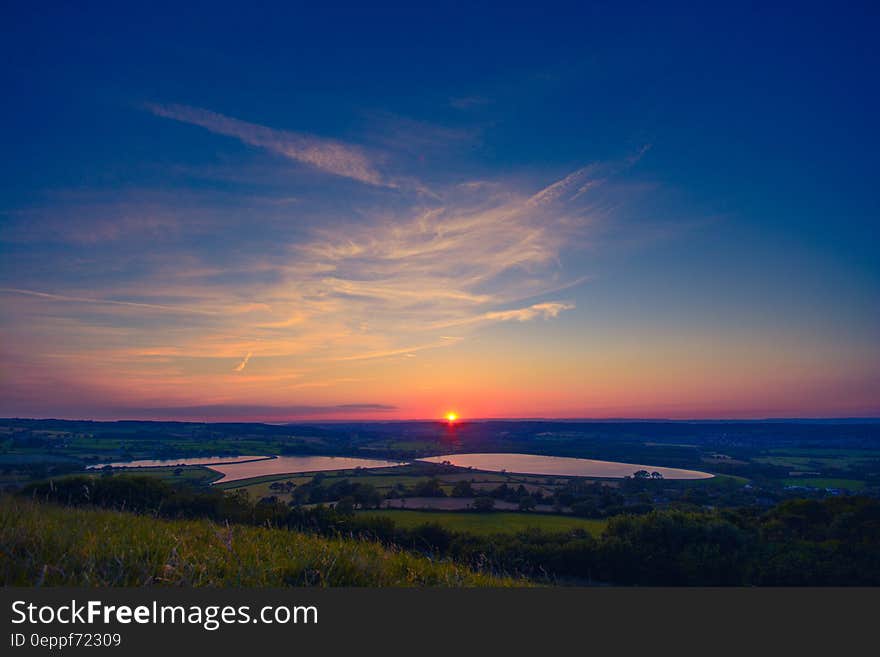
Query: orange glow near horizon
[451, 417]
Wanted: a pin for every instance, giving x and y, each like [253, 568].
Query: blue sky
[572, 210]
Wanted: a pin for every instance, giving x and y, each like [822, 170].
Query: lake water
[559, 465]
[234, 468]
[195, 460]
[296, 465]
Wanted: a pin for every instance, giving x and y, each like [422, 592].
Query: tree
[345, 506]
[429, 488]
[366, 495]
[526, 503]
[484, 503]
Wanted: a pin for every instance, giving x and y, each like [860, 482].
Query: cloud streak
[548, 310]
[328, 155]
[106, 302]
[219, 412]
[408, 352]
[240, 367]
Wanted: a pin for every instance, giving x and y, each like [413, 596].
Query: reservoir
[559, 465]
[295, 465]
[168, 463]
[234, 468]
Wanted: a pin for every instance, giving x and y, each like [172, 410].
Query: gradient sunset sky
[610, 210]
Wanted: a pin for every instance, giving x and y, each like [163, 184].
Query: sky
[591, 210]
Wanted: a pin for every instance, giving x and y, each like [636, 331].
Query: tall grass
[48, 545]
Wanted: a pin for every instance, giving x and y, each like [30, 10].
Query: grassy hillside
[43, 544]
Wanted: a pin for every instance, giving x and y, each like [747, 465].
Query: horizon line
[459, 421]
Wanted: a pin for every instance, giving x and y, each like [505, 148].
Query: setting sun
[451, 417]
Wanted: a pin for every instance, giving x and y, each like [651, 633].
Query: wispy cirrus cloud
[549, 310]
[409, 351]
[240, 367]
[220, 412]
[66, 298]
[330, 301]
[328, 155]
[377, 288]
[468, 262]
[460, 255]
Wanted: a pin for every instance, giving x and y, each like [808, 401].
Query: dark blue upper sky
[763, 109]
[733, 149]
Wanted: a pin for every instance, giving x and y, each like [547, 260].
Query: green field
[47, 545]
[191, 474]
[822, 482]
[491, 522]
[805, 459]
[861, 454]
[805, 462]
[259, 486]
[384, 479]
[718, 481]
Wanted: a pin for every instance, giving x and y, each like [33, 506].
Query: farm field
[819, 468]
[836, 458]
[489, 522]
[193, 474]
[824, 482]
[455, 504]
[386, 479]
